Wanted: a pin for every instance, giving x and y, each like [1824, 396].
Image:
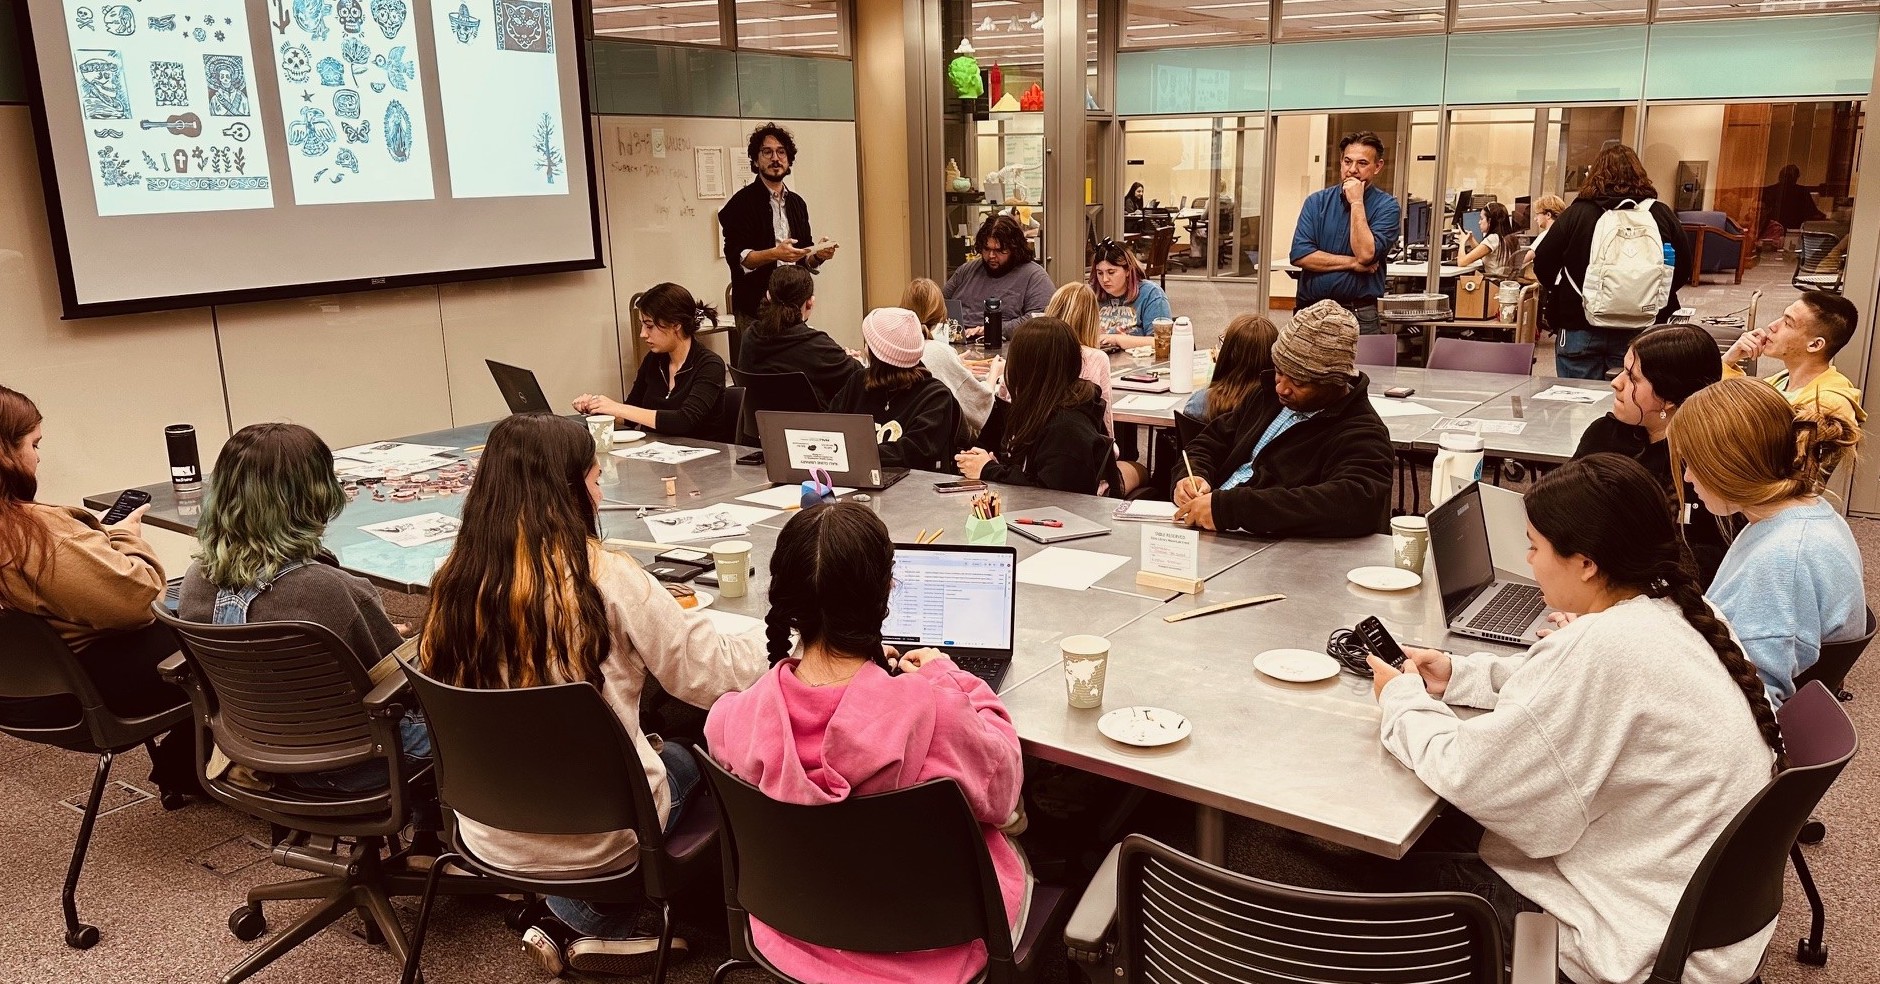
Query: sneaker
[622, 957]
[542, 948]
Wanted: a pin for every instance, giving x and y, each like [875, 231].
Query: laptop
[1479, 600]
[520, 390]
[842, 444]
[961, 600]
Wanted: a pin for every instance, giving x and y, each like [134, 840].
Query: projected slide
[168, 104]
[352, 101]
[501, 90]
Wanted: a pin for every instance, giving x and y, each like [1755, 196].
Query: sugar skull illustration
[390, 16]
[464, 24]
[398, 131]
[85, 19]
[312, 133]
[119, 20]
[352, 16]
[296, 62]
[101, 86]
[310, 16]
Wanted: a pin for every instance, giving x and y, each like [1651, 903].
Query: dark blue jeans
[1590, 353]
[621, 920]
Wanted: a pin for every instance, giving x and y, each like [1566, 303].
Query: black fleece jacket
[1073, 454]
[800, 348]
[1325, 476]
[916, 427]
[1704, 533]
[691, 407]
[1569, 247]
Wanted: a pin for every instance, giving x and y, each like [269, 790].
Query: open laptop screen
[952, 597]
[1459, 538]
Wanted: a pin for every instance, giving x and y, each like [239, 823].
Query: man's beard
[1000, 271]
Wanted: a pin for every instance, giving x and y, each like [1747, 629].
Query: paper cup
[732, 558]
[1086, 660]
[601, 427]
[1409, 541]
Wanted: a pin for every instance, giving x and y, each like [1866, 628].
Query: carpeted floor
[160, 885]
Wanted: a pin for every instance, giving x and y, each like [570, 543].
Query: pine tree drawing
[547, 156]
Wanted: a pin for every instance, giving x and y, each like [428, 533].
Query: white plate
[1296, 665]
[1145, 727]
[628, 437]
[1384, 578]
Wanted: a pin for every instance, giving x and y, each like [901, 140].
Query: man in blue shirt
[1345, 232]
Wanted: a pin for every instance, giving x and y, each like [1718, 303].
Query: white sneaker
[621, 957]
[543, 949]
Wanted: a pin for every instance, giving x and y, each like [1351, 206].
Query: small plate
[1384, 578]
[705, 599]
[1296, 665]
[628, 437]
[1145, 727]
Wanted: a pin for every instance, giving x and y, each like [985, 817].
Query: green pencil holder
[986, 532]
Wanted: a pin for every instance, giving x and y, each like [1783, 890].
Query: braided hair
[1609, 509]
[830, 577]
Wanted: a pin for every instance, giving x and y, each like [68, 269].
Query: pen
[1053, 523]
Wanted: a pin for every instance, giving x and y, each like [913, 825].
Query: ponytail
[791, 287]
[704, 315]
[1822, 441]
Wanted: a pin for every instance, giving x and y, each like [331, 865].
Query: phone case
[674, 571]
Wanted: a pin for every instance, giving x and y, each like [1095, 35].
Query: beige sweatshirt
[96, 580]
[652, 636]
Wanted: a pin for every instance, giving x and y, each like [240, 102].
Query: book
[1074, 528]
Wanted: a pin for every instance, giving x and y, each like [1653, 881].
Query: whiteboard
[660, 229]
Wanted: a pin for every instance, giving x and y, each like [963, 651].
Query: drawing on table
[165, 23]
[168, 85]
[119, 20]
[524, 25]
[250, 183]
[397, 129]
[306, 96]
[312, 133]
[181, 125]
[219, 36]
[390, 16]
[296, 61]
[201, 159]
[114, 170]
[357, 133]
[220, 160]
[310, 16]
[108, 134]
[346, 104]
[199, 34]
[151, 162]
[332, 71]
[101, 85]
[464, 24]
[548, 155]
[84, 18]
[398, 71]
[352, 16]
[181, 157]
[347, 159]
[227, 76]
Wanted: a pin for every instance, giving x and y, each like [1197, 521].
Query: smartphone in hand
[126, 504]
[1377, 638]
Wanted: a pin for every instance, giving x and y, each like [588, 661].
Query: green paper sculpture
[963, 72]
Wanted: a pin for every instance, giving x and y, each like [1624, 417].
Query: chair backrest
[1737, 888]
[725, 423]
[784, 391]
[1836, 659]
[1187, 428]
[841, 875]
[1816, 247]
[1513, 358]
[492, 766]
[35, 662]
[1377, 350]
[1161, 240]
[1180, 918]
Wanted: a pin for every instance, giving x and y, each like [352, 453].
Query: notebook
[1145, 511]
[1074, 528]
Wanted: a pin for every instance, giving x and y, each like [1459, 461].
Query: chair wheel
[173, 801]
[83, 938]
[247, 923]
[1814, 956]
[1812, 832]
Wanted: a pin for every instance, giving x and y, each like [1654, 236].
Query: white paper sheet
[1572, 394]
[415, 531]
[1064, 567]
[706, 523]
[1140, 403]
[1387, 407]
[664, 454]
[390, 452]
[1510, 427]
[784, 497]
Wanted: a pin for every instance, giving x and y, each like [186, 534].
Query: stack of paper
[1064, 567]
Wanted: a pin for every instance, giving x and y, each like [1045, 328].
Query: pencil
[921, 537]
[1188, 464]
[935, 538]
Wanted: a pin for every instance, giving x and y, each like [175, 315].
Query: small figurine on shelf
[963, 72]
[1011, 178]
[995, 83]
[1032, 100]
[955, 180]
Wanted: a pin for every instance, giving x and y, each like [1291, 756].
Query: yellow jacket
[1835, 393]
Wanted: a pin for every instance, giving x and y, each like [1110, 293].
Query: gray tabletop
[1301, 756]
[1550, 429]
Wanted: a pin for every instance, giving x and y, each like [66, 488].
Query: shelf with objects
[993, 124]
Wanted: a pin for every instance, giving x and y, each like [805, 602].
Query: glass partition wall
[1207, 171]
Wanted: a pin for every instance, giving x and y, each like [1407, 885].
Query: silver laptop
[958, 599]
[842, 444]
[1479, 600]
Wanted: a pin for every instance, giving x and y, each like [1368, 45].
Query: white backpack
[1627, 279]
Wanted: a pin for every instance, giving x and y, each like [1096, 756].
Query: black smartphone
[686, 555]
[963, 485]
[1400, 391]
[754, 458]
[674, 571]
[1140, 377]
[1377, 639]
[126, 504]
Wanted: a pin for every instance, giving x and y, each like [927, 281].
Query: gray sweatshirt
[1021, 292]
[1613, 755]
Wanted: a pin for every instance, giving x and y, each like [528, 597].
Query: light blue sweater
[1788, 584]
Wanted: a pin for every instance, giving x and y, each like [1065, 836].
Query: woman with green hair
[271, 496]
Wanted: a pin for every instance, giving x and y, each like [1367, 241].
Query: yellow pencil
[921, 537]
[935, 538]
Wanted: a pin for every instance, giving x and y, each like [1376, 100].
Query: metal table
[1552, 428]
[1301, 756]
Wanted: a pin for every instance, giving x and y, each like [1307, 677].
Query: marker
[1053, 523]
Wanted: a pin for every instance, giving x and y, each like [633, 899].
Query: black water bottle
[185, 465]
[995, 324]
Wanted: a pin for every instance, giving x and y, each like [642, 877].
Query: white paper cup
[1409, 541]
[1086, 660]
[601, 427]
[732, 558]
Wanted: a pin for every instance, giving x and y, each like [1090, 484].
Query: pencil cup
[1086, 658]
[986, 532]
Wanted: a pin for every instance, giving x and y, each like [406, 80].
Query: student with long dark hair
[1496, 248]
[1051, 433]
[781, 339]
[917, 420]
[528, 598]
[93, 584]
[840, 715]
[1662, 368]
[680, 385]
[1792, 580]
[1614, 751]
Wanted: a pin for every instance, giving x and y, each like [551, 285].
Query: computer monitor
[1416, 223]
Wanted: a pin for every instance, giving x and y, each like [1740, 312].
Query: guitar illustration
[184, 125]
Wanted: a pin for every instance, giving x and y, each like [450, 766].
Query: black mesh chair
[815, 873]
[290, 698]
[491, 766]
[1155, 913]
[1837, 659]
[36, 663]
[787, 391]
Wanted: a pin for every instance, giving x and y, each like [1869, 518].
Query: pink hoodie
[812, 745]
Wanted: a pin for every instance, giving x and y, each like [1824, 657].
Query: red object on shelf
[995, 84]
[1032, 100]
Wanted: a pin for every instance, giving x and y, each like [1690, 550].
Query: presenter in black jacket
[765, 224]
